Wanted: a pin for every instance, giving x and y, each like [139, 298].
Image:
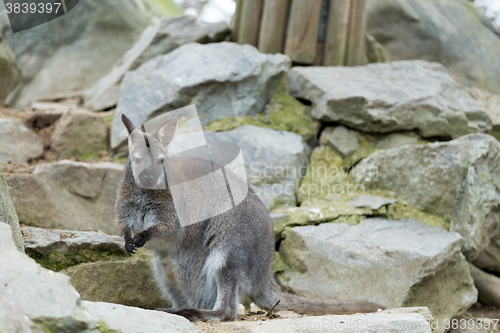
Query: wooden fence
[315, 32]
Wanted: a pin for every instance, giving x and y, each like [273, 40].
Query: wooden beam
[235, 21]
[302, 34]
[273, 26]
[336, 33]
[248, 32]
[355, 46]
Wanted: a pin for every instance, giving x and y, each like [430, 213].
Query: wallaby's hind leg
[226, 306]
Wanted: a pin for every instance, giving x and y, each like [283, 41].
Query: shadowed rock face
[157, 39]
[222, 79]
[398, 96]
[393, 263]
[73, 51]
[9, 70]
[451, 32]
[457, 180]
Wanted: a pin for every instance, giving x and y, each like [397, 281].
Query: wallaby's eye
[161, 160]
[136, 160]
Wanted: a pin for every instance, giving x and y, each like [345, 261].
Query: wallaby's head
[148, 152]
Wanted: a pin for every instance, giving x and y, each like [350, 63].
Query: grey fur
[205, 269]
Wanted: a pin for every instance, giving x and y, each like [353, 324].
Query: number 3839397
[25, 8]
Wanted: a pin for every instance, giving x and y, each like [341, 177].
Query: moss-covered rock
[127, 282]
[283, 112]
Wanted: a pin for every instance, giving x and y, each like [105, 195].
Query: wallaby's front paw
[140, 239]
[130, 247]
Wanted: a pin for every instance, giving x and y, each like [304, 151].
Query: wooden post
[336, 33]
[355, 46]
[302, 32]
[248, 32]
[235, 21]
[273, 26]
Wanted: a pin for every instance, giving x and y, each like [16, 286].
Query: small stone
[343, 141]
[18, 144]
[372, 202]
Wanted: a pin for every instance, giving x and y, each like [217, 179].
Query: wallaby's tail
[312, 306]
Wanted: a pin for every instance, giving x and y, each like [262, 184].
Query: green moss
[402, 210]
[102, 327]
[108, 119]
[166, 7]
[121, 159]
[88, 156]
[283, 112]
[278, 264]
[57, 261]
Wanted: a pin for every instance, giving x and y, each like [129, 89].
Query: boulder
[358, 323]
[274, 161]
[397, 96]
[35, 299]
[45, 241]
[8, 214]
[489, 258]
[456, 180]
[127, 282]
[492, 104]
[452, 32]
[393, 263]
[73, 51]
[19, 144]
[79, 133]
[222, 79]
[160, 38]
[68, 195]
[9, 70]
[126, 319]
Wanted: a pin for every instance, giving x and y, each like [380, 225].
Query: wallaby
[204, 269]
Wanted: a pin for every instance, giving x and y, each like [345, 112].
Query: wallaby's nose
[148, 178]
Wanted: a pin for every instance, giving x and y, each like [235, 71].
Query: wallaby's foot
[205, 315]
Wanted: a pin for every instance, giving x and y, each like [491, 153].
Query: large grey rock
[18, 144]
[9, 70]
[489, 258]
[68, 195]
[359, 323]
[126, 319]
[222, 79]
[458, 180]
[160, 38]
[393, 263]
[79, 133]
[398, 96]
[8, 213]
[44, 241]
[491, 103]
[73, 51]
[452, 32]
[273, 159]
[32, 295]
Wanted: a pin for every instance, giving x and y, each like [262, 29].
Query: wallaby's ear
[165, 133]
[128, 124]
